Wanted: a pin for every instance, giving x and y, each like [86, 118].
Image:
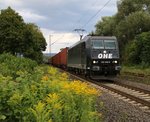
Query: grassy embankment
[32, 93]
[136, 74]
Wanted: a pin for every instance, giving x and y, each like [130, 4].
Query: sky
[57, 19]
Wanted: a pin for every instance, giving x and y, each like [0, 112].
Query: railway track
[138, 95]
[131, 94]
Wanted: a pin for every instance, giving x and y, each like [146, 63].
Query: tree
[132, 19]
[17, 37]
[143, 45]
[126, 7]
[134, 24]
[106, 26]
[137, 51]
[34, 42]
[11, 31]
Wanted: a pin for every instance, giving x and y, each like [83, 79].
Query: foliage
[19, 38]
[131, 54]
[138, 51]
[9, 65]
[138, 69]
[106, 26]
[11, 31]
[133, 25]
[132, 19]
[143, 45]
[136, 73]
[44, 95]
[34, 43]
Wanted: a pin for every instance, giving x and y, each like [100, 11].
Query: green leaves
[10, 65]
[132, 19]
[41, 94]
[137, 52]
[34, 43]
[106, 26]
[19, 38]
[11, 29]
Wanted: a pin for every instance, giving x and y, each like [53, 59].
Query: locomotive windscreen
[110, 44]
[104, 44]
[97, 44]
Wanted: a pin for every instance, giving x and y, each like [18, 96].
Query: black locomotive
[95, 56]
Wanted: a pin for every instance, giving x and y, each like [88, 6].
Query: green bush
[31, 93]
[10, 64]
[137, 51]
[131, 54]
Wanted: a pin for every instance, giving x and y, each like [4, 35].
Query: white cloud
[58, 17]
[58, 40]
[13, 3]
[30, 16]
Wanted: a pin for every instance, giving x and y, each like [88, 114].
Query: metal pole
[50, 44]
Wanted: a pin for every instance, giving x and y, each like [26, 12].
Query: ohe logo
[104, 56]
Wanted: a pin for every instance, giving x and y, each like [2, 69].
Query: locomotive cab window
[110, 44]
[97, 44]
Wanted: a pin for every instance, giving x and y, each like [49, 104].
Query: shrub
[45, 96]
[137, 52]
[10, 64]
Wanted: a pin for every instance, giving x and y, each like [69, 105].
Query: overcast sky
[59, 18]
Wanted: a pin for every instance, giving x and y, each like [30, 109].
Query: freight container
[56, 60]
[63, 58]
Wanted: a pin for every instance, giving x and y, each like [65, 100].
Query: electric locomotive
[95, 56]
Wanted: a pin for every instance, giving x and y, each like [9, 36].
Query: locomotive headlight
[95, 62]
[115, 62]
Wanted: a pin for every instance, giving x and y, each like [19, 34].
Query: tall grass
[45, 95]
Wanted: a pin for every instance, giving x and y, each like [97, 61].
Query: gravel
[116, 110]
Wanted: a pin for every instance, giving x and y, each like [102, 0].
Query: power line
[87, 21]
[86, 12]
[93, 4]
[57, 39]
[96, 13]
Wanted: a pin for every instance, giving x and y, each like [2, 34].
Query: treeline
[20, 38]
[131, 25]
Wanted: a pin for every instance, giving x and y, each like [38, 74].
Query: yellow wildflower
[66, 85]
[50, 120]
[64, 76]
[45, 78]
[52, 71]
[57, 106]
[15, 99]
[92, 91]
[52, 98]
[39, 107]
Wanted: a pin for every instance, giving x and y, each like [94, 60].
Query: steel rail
[127, 95]
[132, 87]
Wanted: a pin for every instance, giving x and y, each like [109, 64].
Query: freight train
[94, 56]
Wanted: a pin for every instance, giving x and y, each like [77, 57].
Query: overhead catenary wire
[87, 21]
[93, 4]
[96, 13]
[79, 20]
[57, 39]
